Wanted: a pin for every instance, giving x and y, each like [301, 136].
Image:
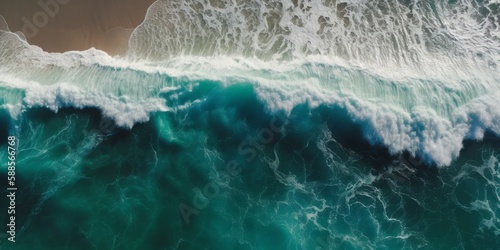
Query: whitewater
[420, 77]
[390, 132]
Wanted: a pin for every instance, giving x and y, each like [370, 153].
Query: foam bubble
[417, 78]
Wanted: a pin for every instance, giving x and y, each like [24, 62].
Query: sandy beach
[64, 25]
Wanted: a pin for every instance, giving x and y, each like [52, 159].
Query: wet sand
[64, 25]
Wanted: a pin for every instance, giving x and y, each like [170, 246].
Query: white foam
[403, 115]
[389, 37]
[124, 112]
[414, 82]
[408, 116]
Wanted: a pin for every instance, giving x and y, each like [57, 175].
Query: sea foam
[414, 82]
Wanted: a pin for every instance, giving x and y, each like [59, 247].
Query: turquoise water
[262, 125]
[317, 185]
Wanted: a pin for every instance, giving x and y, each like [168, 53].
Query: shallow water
[263, 125]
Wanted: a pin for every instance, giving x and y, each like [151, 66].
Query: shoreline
[69, 25]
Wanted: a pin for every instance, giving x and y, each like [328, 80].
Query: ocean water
[262, 125]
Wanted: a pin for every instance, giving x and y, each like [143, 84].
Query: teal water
[314, 184]
[261, 125]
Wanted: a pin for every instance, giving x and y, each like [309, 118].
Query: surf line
[248, 148]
